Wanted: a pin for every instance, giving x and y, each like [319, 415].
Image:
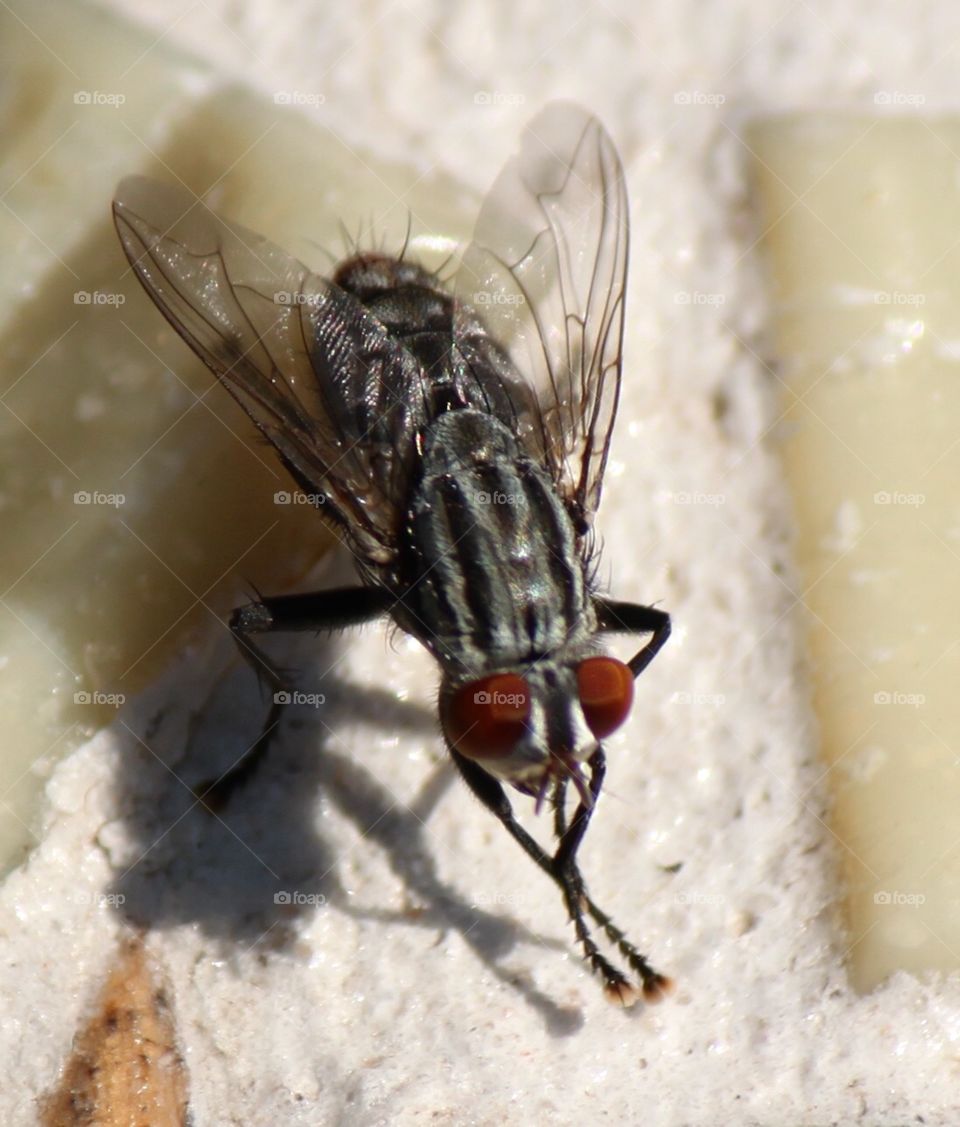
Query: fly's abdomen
[490, 567]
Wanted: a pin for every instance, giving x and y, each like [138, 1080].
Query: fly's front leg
[319, 611]
[492, 795]
[633, 618]
[566, 873]
[562, 869]
[570, 879]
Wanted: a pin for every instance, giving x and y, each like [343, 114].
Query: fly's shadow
[247, 872]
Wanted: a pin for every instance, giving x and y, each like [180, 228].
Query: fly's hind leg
[319, 611]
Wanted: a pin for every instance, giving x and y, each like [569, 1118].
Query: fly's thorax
[368, 276]
[490, 564]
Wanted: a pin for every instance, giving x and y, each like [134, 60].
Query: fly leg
[570, 879]
[563, 870]
[633, 618]
[318, 611]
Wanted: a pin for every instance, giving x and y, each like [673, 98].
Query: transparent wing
[325, 383]
[546, 270]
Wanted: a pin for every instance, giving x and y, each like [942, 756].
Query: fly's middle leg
[633, 618]
[320, 611]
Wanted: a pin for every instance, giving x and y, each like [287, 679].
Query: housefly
[454, 437]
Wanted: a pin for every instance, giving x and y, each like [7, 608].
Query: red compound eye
[485, 719]
[606, 693]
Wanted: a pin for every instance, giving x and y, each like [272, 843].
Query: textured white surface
[438, 983]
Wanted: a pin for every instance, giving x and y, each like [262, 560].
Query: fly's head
[536, 725]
